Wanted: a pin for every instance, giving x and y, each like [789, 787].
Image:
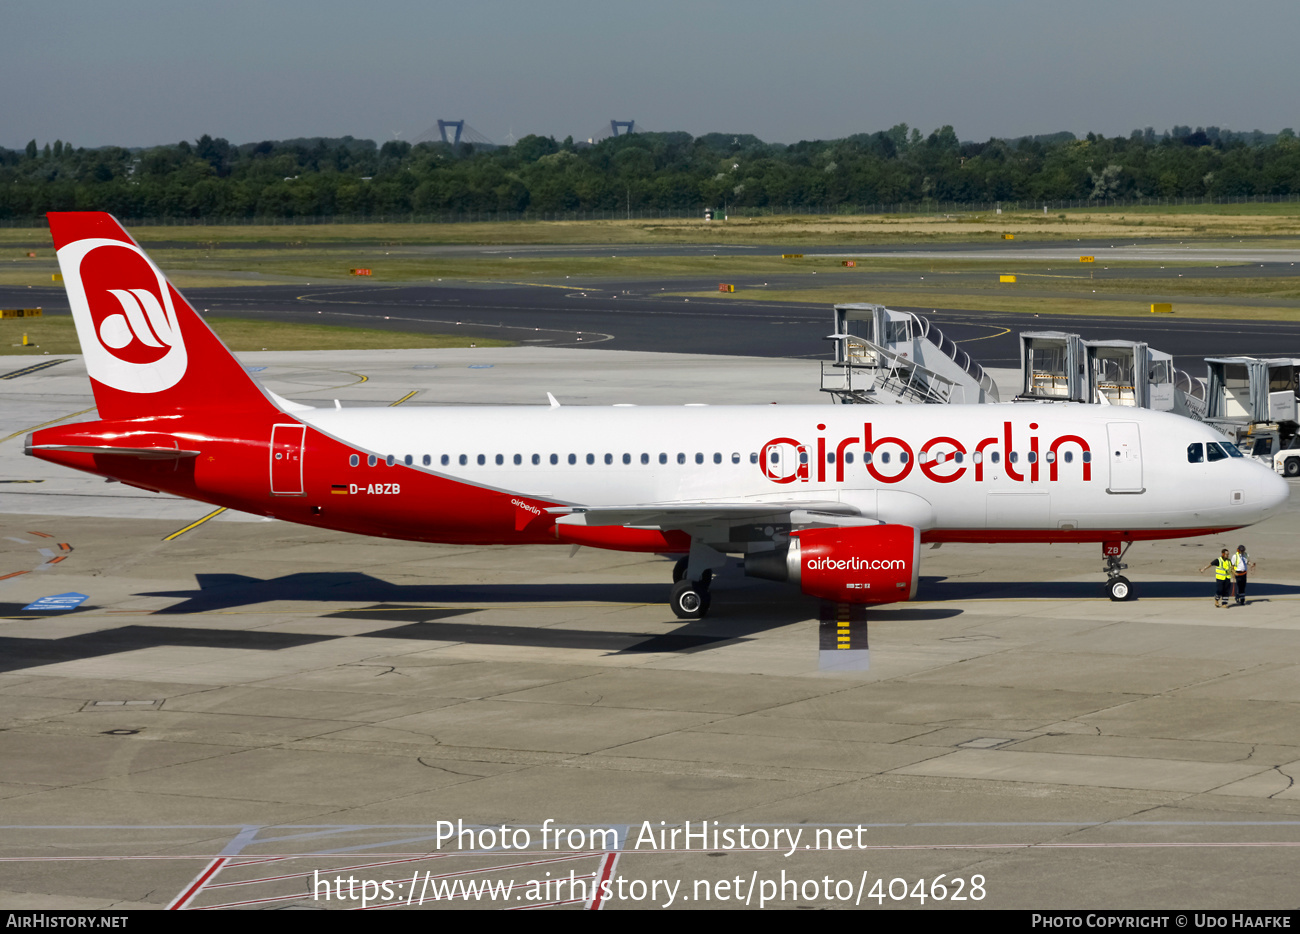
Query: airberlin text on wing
[941, 459]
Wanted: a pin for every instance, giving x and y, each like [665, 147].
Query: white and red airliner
[835, 499]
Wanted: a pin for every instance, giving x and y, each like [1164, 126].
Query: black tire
[688, 600]
[706, 579]
[1292, 467]
[1119, 588]
[679, 570]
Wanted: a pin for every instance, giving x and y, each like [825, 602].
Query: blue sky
[142, 72]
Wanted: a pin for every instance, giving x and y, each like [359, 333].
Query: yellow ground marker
[194, 525]
[404, 398]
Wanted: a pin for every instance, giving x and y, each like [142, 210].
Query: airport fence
[928, 208]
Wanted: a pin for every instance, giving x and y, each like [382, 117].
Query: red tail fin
[146, 350]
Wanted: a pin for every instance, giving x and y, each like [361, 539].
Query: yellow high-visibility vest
[1222, 569]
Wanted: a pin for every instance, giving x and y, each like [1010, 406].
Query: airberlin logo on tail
[125, 315]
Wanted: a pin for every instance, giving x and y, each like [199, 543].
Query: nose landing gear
[1118, 587]
[692, 576]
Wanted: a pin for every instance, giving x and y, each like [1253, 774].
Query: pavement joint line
[34, 368]
[195, 524]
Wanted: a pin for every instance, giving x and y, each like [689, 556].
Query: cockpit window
[1214, 452]
[1195, 453]
[1232, 451]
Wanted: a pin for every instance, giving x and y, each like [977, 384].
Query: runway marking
[403, 399]
[603, 872]
[45, 365]
[44, 424]
[195, 524]
[971, 340]
[199, 882]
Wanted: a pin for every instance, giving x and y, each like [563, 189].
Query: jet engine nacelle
[862, 564]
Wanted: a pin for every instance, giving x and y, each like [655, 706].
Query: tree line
[321, 177]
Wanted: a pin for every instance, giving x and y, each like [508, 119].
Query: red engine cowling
[864, 564]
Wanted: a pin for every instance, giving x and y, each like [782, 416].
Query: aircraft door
[286, 459]
[1125, 456]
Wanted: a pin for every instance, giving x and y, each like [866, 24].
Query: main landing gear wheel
[679, 570]
[689, 600]
[1119, 588]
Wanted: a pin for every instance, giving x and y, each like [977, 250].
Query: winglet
[554, 403]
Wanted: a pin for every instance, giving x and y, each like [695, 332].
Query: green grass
[56, 334]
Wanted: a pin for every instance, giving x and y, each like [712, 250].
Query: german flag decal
[339, 488]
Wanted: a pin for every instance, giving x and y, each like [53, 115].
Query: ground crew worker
[1222, 578]
[1241, 564]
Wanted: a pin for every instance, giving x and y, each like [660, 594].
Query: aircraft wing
[686, 514]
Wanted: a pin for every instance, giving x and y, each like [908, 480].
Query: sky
[143, 72]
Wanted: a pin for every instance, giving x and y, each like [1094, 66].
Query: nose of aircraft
[1273, 493]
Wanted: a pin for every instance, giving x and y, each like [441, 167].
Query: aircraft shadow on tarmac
[18, 653]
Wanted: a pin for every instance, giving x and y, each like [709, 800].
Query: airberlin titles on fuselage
[942, 459]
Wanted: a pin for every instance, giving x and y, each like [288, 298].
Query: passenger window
[1050, 457]
[609, 459]
[830, 457]
[519, 459]
[591, 459]
[977, 457]
[444, 460]
[1032, 457]
[699, 458]
[1214, 452]
[428, 461]
[994, 456]
[867, 457]
[537, 459]
[1087, 457]
[1195, 453]
[573, 459]
[958, 457]
[464, 459]
[717, 458]
[627, 458]
[390, 460]
[408, 460]
[753, 457]
[681, 458]
[481, 460]
[884, 457]
[775, 457]
[555, 459]
[645, 458]
[803, 457]
[663, 458]
[1013, 457]
[1069, 457]
[372, 460]
[848, 457]
[902, 457]
[354, 460]
[500, 460]
[735, 457]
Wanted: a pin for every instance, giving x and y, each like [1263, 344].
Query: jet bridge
[1250, 390]
[1063, 367]
[884, 356]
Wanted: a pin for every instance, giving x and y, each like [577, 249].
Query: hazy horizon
[142, 73]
